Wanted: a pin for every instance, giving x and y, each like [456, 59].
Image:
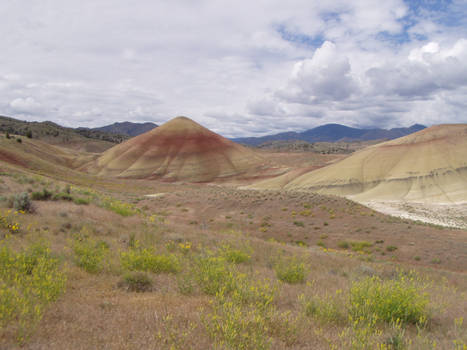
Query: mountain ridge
[127, 128]
[332, 133]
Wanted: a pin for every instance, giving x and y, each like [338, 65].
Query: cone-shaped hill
[427, 166]
[181, 149]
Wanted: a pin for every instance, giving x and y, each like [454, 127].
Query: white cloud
[26, 105]
[326, 76]
[240, 68]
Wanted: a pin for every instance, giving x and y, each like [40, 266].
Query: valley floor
[98, 264]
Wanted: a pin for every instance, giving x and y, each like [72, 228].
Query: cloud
[427, 70]
[326, 76]
[26, 105]
[242, 68]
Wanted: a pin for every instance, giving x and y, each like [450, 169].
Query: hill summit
[180, 149]
[427, 166]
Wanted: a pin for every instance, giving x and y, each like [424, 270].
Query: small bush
[213, 275]
[360, 246]
[299, 223]
[136, 282]
[146, 260]
[235, 256]
[327, 309]
[343, 244]
[118, 207]
[320, 243]
[290, 270]
[22, 202]
[391, 248]
[62, 196]
[19, 140]
[81, 201]
[392, 300]
[30, 280]
[90, 254]
[235, 326]
[43, 195]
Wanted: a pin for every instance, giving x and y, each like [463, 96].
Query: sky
[240, 68]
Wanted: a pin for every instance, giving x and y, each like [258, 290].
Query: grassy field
[91, 263]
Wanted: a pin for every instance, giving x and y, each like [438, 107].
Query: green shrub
[290, 270]
[29, 281]
[136, 282]
[43, 195]
[391, 248]
[118, 207]
[343, 244]
[326, 309]
[389, 300]
[320, 243]
[22, 202]
[81, 201]
[235, 256]
[299, 223]
[214, 274]
[62, 196]
[235, 326]
[360, 246]
[146, 260]
[90, 254]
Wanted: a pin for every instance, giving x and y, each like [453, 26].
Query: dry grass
[95, 312]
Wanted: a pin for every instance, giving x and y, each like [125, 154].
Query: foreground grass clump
[236, 256]
[29, 281]
[291, 270]
[232, 325]
[118, 207]
[90, 254]
[328, 309]
[22, 202]
[147, 260]
[214, 275]
[398, 300]
[360, 246]
[136, 282]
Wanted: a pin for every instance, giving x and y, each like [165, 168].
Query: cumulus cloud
[242, 68]
[323, 77]
[26, 105]
[427, 70]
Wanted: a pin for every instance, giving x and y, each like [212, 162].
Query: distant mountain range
[127, 128]
[333, 133]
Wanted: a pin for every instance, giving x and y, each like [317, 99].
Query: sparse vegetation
[29, 281]
[146, 259]
[290, 270]
[22, 202]
[136, 282]
[89, 253]
[211, 287]
[399, 300]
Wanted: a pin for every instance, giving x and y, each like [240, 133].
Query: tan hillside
[179, 150]
[427, 166]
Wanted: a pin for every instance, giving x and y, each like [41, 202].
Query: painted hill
[127, 128]
[428, 166]
[179, 150]
[333, 133]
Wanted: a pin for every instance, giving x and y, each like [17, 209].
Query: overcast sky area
[240, 68]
